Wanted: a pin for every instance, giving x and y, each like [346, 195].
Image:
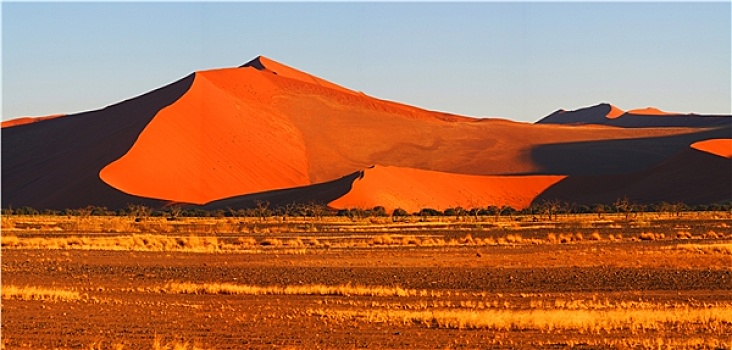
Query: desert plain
[648, 280]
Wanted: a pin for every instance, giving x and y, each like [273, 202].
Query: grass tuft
[10, 292]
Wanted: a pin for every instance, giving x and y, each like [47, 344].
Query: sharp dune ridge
[267, 131]
[28, 120]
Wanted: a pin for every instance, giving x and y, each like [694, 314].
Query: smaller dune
[718, 147]
[650, 111]
[414, 189]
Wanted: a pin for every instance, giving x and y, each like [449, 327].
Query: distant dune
[28, 120]
[265, 131]
[651, 111]
[649, 117]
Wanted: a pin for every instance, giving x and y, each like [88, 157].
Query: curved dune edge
[213, 143]
[717, 147]
[414, 189]
[650, 111]
[266, 64]
[615, 112]
[28, 120]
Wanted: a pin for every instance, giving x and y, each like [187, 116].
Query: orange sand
[212, 144]
[649, 111]
[292, 73]
[719, 147]
[414, 189]
[28, 120]
[615, 112]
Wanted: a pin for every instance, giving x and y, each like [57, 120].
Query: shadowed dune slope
[618, 156]
[691, 176]
[414, 189]
[605, 114]
[55, 164]
[322, 193]
[720, 147]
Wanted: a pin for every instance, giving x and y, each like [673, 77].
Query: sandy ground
[119, 304]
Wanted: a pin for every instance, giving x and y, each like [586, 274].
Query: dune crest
[28, 120]
[615, 112]
[266, 64]
[718, 147]
[413, 189]
[650, 111]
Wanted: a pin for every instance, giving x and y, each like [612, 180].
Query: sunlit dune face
[719, 147]
[615, 112]
[649, 111]
[219, 140]
[413, 189]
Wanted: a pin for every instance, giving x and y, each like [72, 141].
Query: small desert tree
[551, 207]
[623, 205]
[261, 210]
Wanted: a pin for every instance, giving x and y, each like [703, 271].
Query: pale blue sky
[516, 60]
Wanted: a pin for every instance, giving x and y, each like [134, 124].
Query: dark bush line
[549, 209]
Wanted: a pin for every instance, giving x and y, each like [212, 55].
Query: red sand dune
[414, 189]
[208, 145]
[269, 131]
[247, 130]
[615, 112]
[650, 111]
[719, 147]
[28, 120]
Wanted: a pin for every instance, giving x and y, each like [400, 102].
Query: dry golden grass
[283, 235]
[713, 319]
[159, 344]
[711, 248]
[100, 345]
[634, 342]
[210, 244]
[288, 245]
[38, 293]
[309, 289]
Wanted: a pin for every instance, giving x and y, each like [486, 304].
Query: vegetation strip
[590, 321]
[722, 248]
[308, 289]
[38, 293]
